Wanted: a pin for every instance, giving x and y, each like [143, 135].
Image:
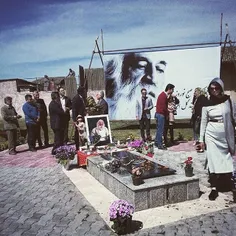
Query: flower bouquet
[137, 175]
[64, 154]
[188, 167]
[120, 213]
[136, 144]
[148, 149]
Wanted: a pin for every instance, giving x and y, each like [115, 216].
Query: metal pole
[221, 21]
[102, 41]
[179, 46]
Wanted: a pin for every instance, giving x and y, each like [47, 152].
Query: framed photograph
[98, 130]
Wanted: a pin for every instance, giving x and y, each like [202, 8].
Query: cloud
[65, 31]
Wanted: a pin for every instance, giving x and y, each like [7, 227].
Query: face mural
[126, 74]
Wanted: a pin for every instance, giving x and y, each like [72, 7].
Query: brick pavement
[36, 198]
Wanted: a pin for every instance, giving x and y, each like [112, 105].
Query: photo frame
[98, 130]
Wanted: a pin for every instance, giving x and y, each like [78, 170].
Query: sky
[39, 37]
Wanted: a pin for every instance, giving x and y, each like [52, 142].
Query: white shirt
[62, 99]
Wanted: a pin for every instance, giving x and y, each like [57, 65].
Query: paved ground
[36, 198]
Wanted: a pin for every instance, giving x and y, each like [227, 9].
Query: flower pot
[67, 165]
[188, 172]
[137, 180]
[122, 225]
[234, 194]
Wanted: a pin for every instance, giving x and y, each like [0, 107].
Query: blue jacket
[31, 113]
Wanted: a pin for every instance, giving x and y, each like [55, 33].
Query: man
[78, 108]
[100, 134]
[101, 104]
[57, 116]
[10, 124]
[71, 73]
[143, 108]
[126, 75]
[46, 82]
[66, 106]
[32, 117]
[162, 114]
[43, 119]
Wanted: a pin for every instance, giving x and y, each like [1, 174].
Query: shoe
[200, 151]
[46, 145]
[162, 148]
[12, 153]
[32, 150]
[213, 195]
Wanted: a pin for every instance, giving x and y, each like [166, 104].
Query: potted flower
[64, 154]
[234, 185]
[137, 175]
[188, 167]
[120, 213]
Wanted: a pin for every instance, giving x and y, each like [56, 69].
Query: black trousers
[77, 144]
[32, 130]
[222, 182]
[66, 128]
[44, 125]
[171, 131]
[144, 123]
[12, 139]
[58, 139]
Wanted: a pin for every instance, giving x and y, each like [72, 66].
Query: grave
[162, 185]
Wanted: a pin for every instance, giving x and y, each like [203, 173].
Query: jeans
[160, 129]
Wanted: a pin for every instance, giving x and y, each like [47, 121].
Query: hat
[79, 116]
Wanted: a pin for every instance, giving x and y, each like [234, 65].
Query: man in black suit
[66, 106]
[57, 119]
[102, 104]
[78, 108]
[43, 119]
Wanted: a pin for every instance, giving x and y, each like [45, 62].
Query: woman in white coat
[217, 136]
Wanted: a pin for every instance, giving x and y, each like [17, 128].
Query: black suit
[57, 120]
[78, 108]
[67, 118]
[103, 106]
[43, 121]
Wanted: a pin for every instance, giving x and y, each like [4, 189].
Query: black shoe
[213, 195]
[12, 153]
[32, 150]
[162, 148]
[46, 145]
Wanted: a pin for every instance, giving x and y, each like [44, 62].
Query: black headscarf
[213, 100]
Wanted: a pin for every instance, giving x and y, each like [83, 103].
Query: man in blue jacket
[32, 116]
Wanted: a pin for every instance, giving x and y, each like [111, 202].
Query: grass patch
[121, 130]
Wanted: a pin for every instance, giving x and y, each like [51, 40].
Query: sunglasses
[217, 88]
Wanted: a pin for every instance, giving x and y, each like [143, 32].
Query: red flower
[150, 154]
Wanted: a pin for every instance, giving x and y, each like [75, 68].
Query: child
[80, 125]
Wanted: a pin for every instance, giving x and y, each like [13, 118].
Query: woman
[217, 135]
[199, 100]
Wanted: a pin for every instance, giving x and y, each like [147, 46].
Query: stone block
[141, 200]
[193, 190]
[177, 193]
[152, 193]
[157, 197]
